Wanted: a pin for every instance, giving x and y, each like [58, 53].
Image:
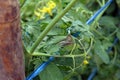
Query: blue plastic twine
[94, 71]
[98, 12]
[45, 64]
[39, 69]
[94, 16]
[114, 43]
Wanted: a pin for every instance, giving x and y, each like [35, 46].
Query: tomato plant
[49, 28]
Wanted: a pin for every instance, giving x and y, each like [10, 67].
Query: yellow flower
[85, 62]
[46, 10]
[39, 15]
[51, 4]
[40, 12]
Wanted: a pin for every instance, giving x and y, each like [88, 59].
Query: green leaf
[118, 34]
[118, 2]
[52, 72]
[66, 19]
[56, 31]
[52, 49]
[106, 44]
[109, 22]
[97, 60]
[100, 51]
[117, 75]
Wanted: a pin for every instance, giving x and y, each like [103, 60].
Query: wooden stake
[11, 52]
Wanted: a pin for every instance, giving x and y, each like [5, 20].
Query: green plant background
[91, 44]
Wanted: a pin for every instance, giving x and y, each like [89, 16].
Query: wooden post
[11, 53]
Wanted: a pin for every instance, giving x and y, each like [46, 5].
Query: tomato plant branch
[44, 54]
[73, 62]
[115, 56]
[97, 32]
[103, 2]
[78, 66]
[114, 32]
[74, 46]
[51, 25]
[82, 46]
[99, 3]
[91, 43]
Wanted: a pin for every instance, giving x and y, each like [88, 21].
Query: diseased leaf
[100, 51]
[56, 39]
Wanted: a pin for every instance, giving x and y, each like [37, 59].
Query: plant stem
[99, 3]
[67, 56]
[97, 32]
[74, 46]
[115, 56]
[113, 33]
[91, 44]
[51, 25]
[103, 2]
[73, 58]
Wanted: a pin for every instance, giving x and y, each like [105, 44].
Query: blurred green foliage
[70, 52]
